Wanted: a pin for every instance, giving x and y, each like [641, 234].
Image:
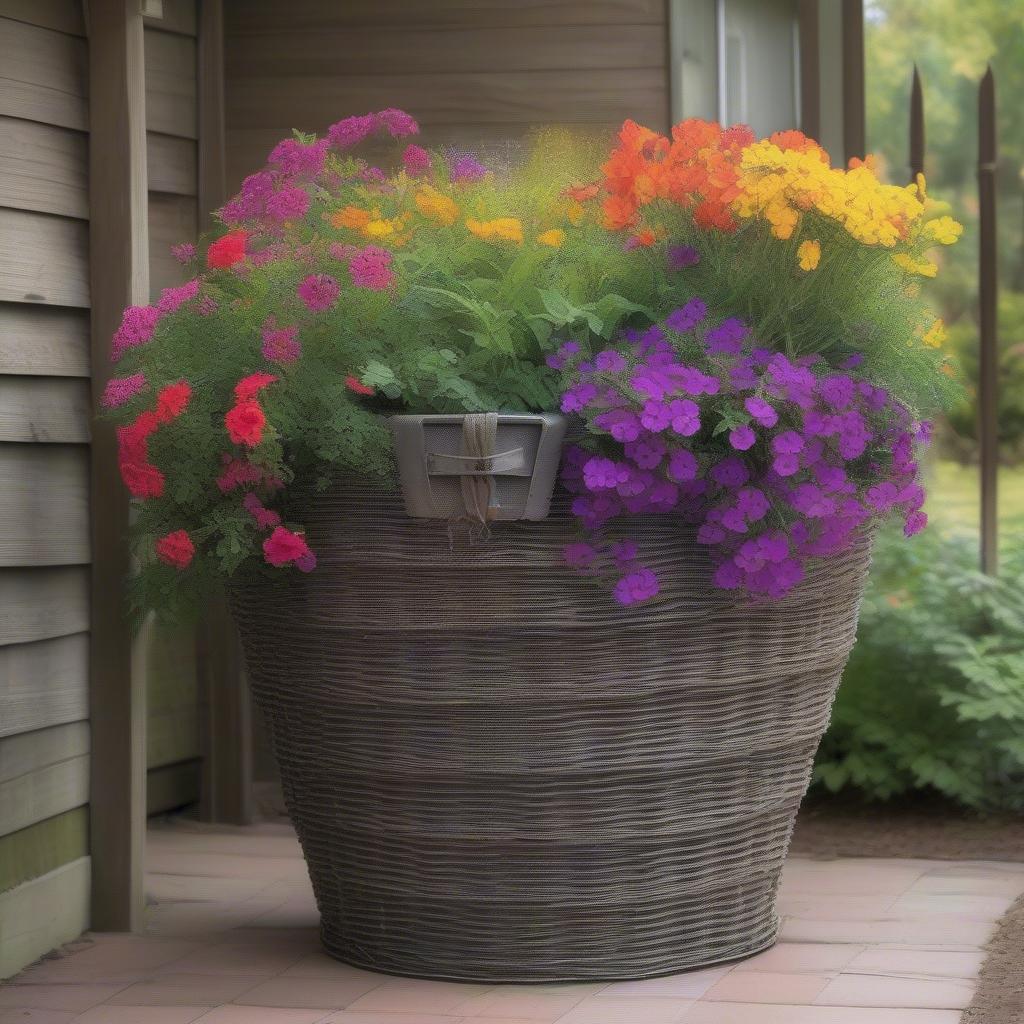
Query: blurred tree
[952, 41]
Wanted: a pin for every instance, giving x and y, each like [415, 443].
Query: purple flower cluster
[774, 460]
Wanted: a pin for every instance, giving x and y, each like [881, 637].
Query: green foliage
[933, 696]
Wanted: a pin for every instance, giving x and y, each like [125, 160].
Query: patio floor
[232, 940]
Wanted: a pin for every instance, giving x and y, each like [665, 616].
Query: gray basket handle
[510, 463]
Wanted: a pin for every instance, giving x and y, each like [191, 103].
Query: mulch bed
[933, 830]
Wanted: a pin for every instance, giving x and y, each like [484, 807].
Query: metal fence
[988, 290]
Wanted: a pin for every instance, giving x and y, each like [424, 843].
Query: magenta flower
[416, 161]
[398, 122]
[174, 298]
[351, 131]
[371, 268]
[318, 292]
[289, 203]
[184, 252]
[137, 326]
[122, 389]
[280, 344]
[297, 158]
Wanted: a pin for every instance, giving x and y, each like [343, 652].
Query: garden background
[933, 699]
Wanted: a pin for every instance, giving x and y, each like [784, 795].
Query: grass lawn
[954, 505]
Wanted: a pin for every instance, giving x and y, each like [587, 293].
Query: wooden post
[226, 714]
[810, 68]
[988, 291]
[916, 154]
[119, 276]
[854, 115]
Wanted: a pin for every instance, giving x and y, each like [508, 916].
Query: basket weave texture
[497, 773]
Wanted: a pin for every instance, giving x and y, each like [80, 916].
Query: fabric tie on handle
[479, 435]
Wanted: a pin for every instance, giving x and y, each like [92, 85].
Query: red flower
[354, 384]
[248, 387]
[283, 546]
[142, 479]
[245, 423]
[227, 250]
[172, 400]
[176, 549]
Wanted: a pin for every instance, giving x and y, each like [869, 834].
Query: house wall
[44, 467]
[475, 73]
[172, 130]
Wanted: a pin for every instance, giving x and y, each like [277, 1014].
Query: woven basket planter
[497, 773]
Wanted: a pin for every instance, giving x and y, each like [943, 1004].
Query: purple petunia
[640, 585]
[742, 438]
[762, 411]
[687, 317]
[685, 417]
[727, 337]
[679, 257]
[609, 361]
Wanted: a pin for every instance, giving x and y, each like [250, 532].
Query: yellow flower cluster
[913, 266]
[555, 238]
[943, 230]
[935, 335]
[809, 254]
[437, 206]
[370, 224]
[779, 184]
[508, 229]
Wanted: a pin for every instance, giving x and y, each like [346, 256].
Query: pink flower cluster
[371, 268]
[775, 461]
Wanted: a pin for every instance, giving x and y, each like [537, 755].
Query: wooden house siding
[477, 74]
[44, 485]
[172, 128]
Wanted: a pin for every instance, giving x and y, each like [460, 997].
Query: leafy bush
[933, 696]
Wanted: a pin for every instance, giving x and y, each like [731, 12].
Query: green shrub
[933, 696]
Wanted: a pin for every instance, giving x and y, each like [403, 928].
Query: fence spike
[988, 292]
[916, 126]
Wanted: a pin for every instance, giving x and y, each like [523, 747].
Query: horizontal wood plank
[172, 736]
[43, 259]
[270, 15]
[42, 847]
[43, 603]
[43, 168]
[47, 409]
[171, 84]
[43, 75]
[171, 164]
[44, 340]
[505, 98]
[30, 752]
[44, 683]
[405, 50]
[178, 16]
[44, 913]
[60, 15]
[44, 505]
[172, 219]
[43, 774]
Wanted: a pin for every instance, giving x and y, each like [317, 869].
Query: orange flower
[350, 217]
[581, 193]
